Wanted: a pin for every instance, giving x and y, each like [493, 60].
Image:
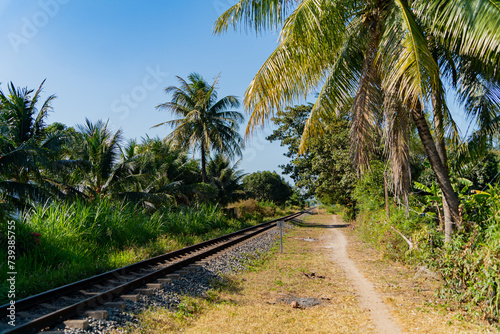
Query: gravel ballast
[195, 283]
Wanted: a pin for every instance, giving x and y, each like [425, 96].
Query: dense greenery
[325, 171]
[468, 265]
[60, 243]
[84, 200]
[267, 186]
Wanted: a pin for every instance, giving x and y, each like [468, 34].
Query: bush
[469, 265]
[252, 209]
[267, 186]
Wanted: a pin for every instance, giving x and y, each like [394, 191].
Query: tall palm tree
[21, 119]
[375, 50]
[205, 124]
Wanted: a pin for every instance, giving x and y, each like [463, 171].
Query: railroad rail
[52, 307]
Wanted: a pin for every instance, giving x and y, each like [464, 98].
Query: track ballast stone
[195, 284]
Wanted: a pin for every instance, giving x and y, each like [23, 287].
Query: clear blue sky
[113, 59]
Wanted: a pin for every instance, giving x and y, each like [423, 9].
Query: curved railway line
[109, 289]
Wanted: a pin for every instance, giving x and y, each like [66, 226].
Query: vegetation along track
[55, 306]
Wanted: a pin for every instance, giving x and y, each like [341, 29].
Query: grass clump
[251, 209]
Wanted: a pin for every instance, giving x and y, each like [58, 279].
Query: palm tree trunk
[203, 164]
[441, 148]
[435, 160]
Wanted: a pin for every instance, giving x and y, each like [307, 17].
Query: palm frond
[255, 14]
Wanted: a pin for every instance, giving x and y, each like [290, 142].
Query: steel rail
[79, 307]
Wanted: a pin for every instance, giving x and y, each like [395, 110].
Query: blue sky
[113, 59]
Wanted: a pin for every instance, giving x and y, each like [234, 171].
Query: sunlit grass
[80, 240]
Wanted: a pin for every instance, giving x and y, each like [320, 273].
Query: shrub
[267, 186]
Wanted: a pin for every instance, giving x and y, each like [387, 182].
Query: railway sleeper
[87, 293]
[146, 292]
[49, 306]
[82, 324]
[158, 286]
[118, 305]
[97, 314]
[133, 298]
[164, 280]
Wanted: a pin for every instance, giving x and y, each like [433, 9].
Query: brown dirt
[358, 291]
[369, 299]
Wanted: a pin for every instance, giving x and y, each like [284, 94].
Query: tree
[99, 151]
[325, 170]
[205, 123]
[267, 186]
[24, 147]
[375, 51]
[22, 121]
[290, 128]
[226, 179]
[158, 173]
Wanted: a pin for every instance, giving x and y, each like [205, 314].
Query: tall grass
[469, 265]
[60, 243]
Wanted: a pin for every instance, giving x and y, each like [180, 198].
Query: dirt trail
[368, 297]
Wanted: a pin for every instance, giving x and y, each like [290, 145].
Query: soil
[369, 299]
[327, 280]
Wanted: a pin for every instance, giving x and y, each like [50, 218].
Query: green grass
[79, 240]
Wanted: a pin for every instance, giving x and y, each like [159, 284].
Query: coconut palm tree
[376, 50]
[205, 124]
[158, 172]
[98, 151]
[25, 150]
[21, 119]
[226, 179]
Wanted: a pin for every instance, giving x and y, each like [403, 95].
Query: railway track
[110, 289]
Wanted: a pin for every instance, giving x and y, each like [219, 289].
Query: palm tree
[377, 51]
[204, 122]
[226, 179]
[99, 153]
[158, 173]
[22, 121]
[24, 147]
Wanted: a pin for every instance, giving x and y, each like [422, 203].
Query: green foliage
[225, 179]
[469, 264]
[325, 171]
[369, 190]
[479, 170]
[267, 186]
[204, 122]
[60, 243]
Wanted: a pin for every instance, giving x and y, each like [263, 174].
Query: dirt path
[356, 291]
[368, 297]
